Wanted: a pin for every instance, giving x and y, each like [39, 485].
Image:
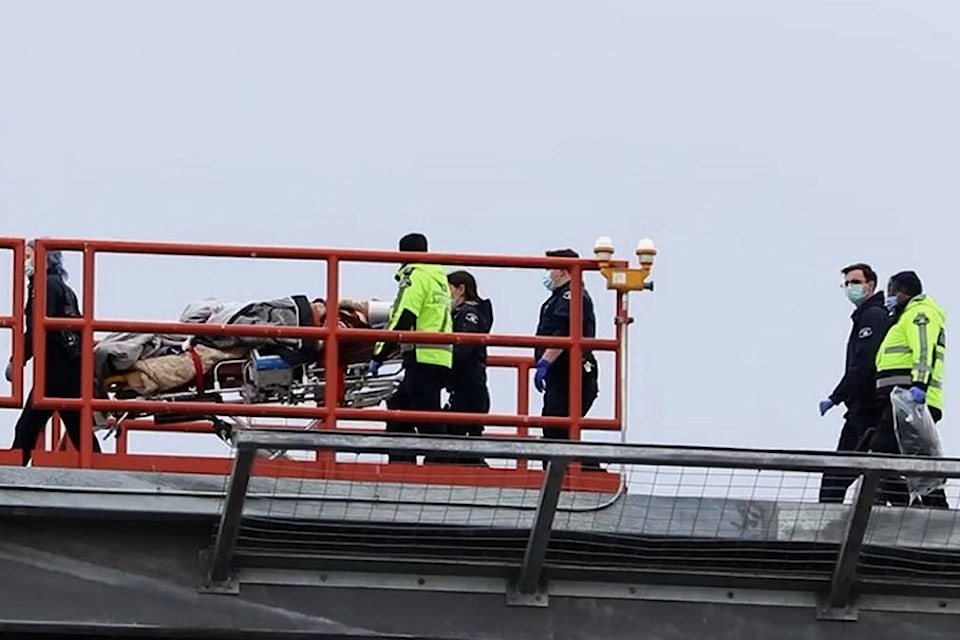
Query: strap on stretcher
[197, 369]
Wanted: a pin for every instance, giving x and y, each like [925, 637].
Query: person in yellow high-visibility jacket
[423, 303]
[911, 356]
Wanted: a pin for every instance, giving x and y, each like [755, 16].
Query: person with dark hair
[552, 376]
[856, 389]
[467, 384]
[911, 356]
[62, 379]
[422, 304]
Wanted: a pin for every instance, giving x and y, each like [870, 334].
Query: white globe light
[603, 244]
[646, 250]
[646, 245]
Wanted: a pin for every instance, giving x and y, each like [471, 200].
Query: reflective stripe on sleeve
[890, 381]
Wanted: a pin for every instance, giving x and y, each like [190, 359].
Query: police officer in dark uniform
[856, 389]
[467, 383]
[553, 365]
[62, 379]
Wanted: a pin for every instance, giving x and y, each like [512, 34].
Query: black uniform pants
[418, 391]
[855, 436]
[893, 490]
[473, 398]
[556, 399]
[556, 402]
[63, 381]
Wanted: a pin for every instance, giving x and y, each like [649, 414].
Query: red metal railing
[329, 414]
[14, 321]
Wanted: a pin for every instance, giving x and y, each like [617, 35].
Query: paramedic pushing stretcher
[62, 379]
[422, 304]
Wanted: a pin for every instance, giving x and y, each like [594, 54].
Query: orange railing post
[86, 359]
[38, 328]
[14, 322]
[576, 352]
[523, 404]
[331, 365]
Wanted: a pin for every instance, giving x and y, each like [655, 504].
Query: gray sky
[763, 145]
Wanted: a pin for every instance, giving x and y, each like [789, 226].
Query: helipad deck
[506, 556]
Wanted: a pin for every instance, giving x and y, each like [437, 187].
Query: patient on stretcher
[147, 365]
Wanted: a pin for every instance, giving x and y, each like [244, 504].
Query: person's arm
[467, 321]
[28, 330]
[561, 313]
[403, 316]
[922, 338]
[870, 333]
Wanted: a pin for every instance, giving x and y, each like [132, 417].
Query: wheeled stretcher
[229, 369]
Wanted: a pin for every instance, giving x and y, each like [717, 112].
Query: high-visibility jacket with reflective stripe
[913, 351]
[423, 291]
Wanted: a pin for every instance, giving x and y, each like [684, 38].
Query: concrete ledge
[40, 491]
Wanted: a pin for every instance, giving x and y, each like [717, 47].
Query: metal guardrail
[556, 456]
[183, 414]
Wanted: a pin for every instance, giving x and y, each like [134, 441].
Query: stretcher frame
[357, 390]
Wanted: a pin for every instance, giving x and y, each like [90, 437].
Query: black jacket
[470, 360]
[555, 321]
[871, 320]
[63, 345]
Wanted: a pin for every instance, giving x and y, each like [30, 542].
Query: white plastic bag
[917, 435]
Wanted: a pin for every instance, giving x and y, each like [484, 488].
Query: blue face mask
[892, 303]
[856, 293]
[547, 281]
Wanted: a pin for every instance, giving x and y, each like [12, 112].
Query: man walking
[911, 356]
[870, 320]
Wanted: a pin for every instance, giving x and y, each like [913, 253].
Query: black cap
[413, 242]
[907, 282]
[562, 253]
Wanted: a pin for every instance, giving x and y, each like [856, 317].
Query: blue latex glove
[825, 405]
[373, 367]
[918, 395]
[539, 379]
[8, 372]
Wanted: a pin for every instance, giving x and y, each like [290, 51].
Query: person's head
[413, 242]
[859, 282]
[463, 287]
[554, 278]
[54, 261]
[903, 287]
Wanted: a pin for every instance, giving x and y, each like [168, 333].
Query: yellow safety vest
[424, 291]
[914, 349]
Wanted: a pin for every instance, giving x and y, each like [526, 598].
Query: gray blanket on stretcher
[120, 351]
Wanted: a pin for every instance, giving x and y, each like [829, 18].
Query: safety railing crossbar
[201, 408]
[639, 454]
[557, 455]
[319, 253]
[346, 334]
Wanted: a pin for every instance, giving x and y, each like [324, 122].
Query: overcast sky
[763, 145]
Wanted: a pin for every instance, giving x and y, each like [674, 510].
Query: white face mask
[547, 281]
[28, 268]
